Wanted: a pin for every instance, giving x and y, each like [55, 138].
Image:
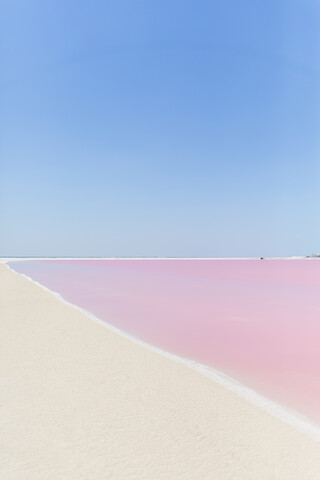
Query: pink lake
[258, 321]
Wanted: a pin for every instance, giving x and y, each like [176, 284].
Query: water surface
[255, 320]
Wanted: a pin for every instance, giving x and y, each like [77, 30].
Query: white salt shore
[80, 401]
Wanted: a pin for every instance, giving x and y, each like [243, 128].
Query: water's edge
[285, 414]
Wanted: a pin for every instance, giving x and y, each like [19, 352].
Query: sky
[175, 128]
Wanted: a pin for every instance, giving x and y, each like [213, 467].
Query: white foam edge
[285, 414]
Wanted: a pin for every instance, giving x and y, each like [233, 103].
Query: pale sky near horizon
[159, 128]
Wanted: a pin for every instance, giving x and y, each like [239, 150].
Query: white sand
[81, 402]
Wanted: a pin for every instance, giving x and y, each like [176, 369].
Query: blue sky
[159, 128]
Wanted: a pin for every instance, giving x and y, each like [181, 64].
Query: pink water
[255, 320]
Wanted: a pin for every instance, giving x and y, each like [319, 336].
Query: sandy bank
[81, 402]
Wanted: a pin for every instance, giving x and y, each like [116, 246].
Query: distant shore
[8, 259]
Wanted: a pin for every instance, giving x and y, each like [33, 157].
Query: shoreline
[285, 414]
[82, 401]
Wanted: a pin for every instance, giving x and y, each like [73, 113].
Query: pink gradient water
[256, 320]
